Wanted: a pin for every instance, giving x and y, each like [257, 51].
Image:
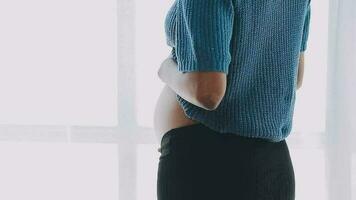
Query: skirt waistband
[200, 134]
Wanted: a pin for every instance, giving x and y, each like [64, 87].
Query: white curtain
[341, 100]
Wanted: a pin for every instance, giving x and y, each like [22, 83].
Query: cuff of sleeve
[191, 65]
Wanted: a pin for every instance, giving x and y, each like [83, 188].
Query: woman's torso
[261, 86]
[168, 114]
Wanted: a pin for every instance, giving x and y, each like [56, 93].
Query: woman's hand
[162, 71]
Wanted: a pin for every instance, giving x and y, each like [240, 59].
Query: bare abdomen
[168, 114]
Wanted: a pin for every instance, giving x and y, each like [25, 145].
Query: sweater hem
[194, 115]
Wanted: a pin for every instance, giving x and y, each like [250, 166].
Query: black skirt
[198, 163]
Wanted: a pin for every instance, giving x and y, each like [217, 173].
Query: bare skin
[300, 70]
[169, 115]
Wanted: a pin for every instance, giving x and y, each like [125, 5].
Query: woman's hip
[212, 163]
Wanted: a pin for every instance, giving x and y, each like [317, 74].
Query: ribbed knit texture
[257, 44]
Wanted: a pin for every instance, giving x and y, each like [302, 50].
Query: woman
[227, 106]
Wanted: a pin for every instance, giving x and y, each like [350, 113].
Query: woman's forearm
[181, 83]
[300, 71]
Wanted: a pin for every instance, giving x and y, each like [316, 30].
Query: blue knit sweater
[257, 45]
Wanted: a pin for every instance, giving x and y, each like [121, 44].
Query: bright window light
[58, 62]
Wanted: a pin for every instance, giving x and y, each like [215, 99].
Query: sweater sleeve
[306, 29]
[203, 34]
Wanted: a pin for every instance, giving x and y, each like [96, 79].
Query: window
[76, 116]
[58, 62]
